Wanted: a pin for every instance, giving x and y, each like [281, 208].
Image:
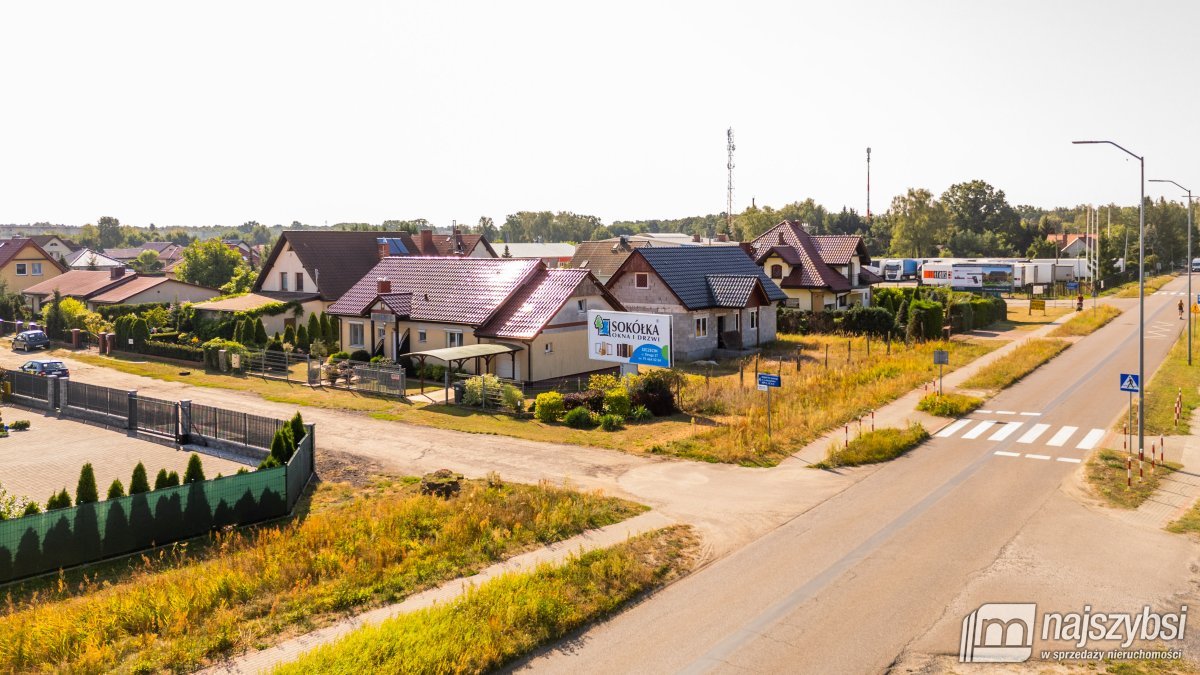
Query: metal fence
[92, 402]
[157, 417]
[31, 390]
[385, 379]
[273, 364]
[218, 424]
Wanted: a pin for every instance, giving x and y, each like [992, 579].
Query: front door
[720, 332]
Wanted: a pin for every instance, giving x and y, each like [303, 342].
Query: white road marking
[1038, 456]
[1006, 412]
[984, 412]
[1072, 460]
[952, 429]
[979, 429]
[1093, 437]
[1002, 453]
[1005, 431]
[1032, 414]
[1061, 437]
[1033, 433]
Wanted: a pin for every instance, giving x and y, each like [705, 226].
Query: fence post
[131, 423]
[51, 394]
[246, 428]
[64, 398]
[184, 412]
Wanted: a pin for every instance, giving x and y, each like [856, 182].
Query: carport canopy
[456, 355]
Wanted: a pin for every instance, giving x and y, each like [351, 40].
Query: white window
[702, 326]
[22, 269]
[641, 280]
[37, 269]
[549, 348]
[356, 334]
[454, 338]
[283, 281]
[582, 305]
[421, 335]
[754, 318]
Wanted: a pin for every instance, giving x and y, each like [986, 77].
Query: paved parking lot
[48, 457]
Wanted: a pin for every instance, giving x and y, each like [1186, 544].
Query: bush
[924, 320]
[603, 381]
[868, 321]
[548, 407]
[19, 425]
[592, 400]
[116, 490]
[170, 350]
[656, 391]
[876, 446]
[617, 402]
[260, 332]
[60, 500]
[949, 405]
[360, 355]
[640, 414]
[139, 483]
[611, 422]
[296, 429]
[474, 387]
[580, 418]
[289, 335]
[338, 356]
[195, 471]
[514, 399]
[212, 351]
[85, 489]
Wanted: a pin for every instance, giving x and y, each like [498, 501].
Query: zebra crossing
[1170, 293]
[1064, 436]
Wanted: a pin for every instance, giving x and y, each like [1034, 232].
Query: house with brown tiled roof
[534, 316]
[116, 286]
[815, 271]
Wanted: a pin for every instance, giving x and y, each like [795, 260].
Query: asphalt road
[848, 585]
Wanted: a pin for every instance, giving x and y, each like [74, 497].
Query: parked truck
[900, 269]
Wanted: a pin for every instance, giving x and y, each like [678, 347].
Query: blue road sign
[1129, 382]
[1072, 286]
[769, 380]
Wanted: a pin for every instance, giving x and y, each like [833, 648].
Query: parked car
[46, 368]
[31, 339]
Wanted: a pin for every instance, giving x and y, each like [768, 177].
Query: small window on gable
[582, 305]
[754, 318]
[549, 348]
[22, 269]
[299, 281]
[641, 280]
[37, 269]
[421, 335]
[283, 285]
[776, 271]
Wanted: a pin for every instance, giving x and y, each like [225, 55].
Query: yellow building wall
[14, 283]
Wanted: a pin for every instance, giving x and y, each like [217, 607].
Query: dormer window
[776, 271]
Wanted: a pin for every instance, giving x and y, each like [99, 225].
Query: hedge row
[172, 350]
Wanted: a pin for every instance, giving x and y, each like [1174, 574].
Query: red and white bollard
[872, 420]
[1128, 472]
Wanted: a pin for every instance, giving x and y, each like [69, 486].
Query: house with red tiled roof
[1071, 245]
[409, 305]
[815, 271]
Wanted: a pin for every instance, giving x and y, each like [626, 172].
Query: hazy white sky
[222, 112]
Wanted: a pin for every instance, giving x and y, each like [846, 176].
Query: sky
[225, 112]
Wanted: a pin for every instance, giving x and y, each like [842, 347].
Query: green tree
[918, 223]
[314, 329]
[60, 500]
[85, 490]
[116, 489]
[160, 481]
[260, 332]
[302, 337]
[208, 263]
[289, 335]
[108, 232]
[241, 282]
[977, 207]
[195, 471]
[147, 262]
[139, 483]
[54, 319]
[296, 425]
[487, 227]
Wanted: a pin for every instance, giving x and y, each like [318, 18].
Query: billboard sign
[982, 278]
[629, 337]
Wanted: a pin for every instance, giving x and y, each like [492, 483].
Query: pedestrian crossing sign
[1129, 382]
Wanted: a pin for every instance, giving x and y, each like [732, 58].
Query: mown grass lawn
[1107, 475]
[1130, 289]
[1087, 322]
[873, 447]
[1173, 377]
[1020, 318]
[1018, 363]
[251, 588]
[508, 616]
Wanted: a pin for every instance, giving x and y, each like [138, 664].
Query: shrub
[260, 332]
[31, 509]
[548, 407]
[924, 320]
[269, 463]
[360, 355]
[160, 481]
[212, 351]
[611, 422]
[195, 471]
[338, 356]
[115, 490]
[296, 427]
[170, 350]
[640, 414]
[85, 489]
[656, 391]
[592, 400]
[513, 398]
[61, 500]
[139, 483]
[289, 335]
[302, 338]
[949, 405]
[442, 483]
[868, 321]
[603, 381]
[474, 387]
[314, 329]
[19, 425]
[617, 402]
[282, 447]
[580, 418]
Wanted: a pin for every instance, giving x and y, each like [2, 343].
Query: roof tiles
[686, 271]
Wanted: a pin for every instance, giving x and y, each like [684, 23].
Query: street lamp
[1189, 256]
[1141, 292]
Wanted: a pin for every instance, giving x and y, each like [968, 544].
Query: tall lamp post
[1141, 291]
[1189, 256]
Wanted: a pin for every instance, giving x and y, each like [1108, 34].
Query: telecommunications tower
[729, 188]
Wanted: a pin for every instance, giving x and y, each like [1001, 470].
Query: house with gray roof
[816, 271]
[718, 298]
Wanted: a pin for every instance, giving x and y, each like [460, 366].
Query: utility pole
[868, 184]
[729, 147]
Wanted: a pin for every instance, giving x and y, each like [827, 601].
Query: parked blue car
[31, 339]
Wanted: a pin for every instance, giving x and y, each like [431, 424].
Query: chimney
[747, 248]
[383, 286]
[427, 243]
[116, 272]
[696, 238]
[722, 237]
[383, 248]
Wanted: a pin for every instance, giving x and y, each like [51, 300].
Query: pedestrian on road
[1181, 309]
[1079, 303]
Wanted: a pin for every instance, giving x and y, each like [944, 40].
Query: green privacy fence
[85, 533]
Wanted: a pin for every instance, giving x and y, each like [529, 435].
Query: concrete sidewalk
[902, 411]
[1178, 491]
[290, 650]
